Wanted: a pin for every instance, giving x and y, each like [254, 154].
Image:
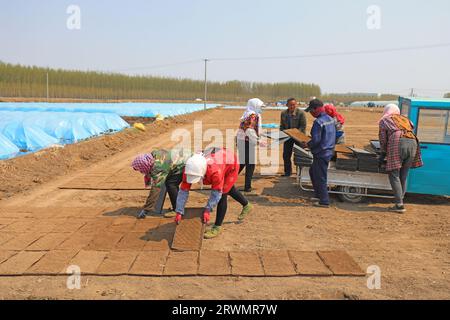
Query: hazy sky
[123, 35]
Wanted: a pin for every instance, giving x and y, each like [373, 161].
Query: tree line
[31, 82]
[17, 81]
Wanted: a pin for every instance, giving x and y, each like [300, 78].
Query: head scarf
[143, 163]
[390, 110]
[254, 106]
[330, 109]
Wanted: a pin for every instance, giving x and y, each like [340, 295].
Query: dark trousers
[173, 186]
[247, 161]
[288, 148]
[397, 178]
[223, 204]
[318, 174]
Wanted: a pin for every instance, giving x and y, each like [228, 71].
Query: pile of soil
[133, 120]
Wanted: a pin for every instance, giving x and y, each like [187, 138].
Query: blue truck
[431, 119]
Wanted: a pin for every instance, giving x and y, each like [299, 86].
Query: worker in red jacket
[218, 168]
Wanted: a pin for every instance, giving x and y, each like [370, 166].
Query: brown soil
[412, 250]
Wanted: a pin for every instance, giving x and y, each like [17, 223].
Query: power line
[159, 66]
[334, 54]
[300, 56]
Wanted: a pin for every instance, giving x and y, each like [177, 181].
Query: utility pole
[412, 92]
[47, 86]
[205, 98]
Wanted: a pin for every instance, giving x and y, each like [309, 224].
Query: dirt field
[412, 250]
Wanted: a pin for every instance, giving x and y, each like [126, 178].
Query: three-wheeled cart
[350, 186]
[431, 119]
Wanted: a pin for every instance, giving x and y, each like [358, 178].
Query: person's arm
[282, 123]
[252, 129]
[383, 136]
[154, 181]
[252, 135]
[316, 136]
[183, 196]
[217, 183]
[302, 122]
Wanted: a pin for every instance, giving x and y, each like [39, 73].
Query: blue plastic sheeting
[130, 109]
[32, 131]
[7, 148]
[270, 126]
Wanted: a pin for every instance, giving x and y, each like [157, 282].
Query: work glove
[206, 216]
[142, 214]
[178, 218]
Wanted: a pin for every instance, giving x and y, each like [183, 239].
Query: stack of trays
[375, 144]
[302, 158]
[342, 148]
[367, 161]
[297, 135]
[346, 162]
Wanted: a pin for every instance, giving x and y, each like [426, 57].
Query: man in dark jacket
[291, 118]
[323, 140]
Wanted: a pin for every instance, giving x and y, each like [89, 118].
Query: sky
[152, 37]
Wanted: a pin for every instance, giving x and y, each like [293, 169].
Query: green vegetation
[18, 81]
[447, 95]
[31, 82]
[347, 99]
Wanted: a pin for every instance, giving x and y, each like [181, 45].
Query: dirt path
[412, 251]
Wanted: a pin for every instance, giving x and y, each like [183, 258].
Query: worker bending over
[218, 168]
[401, 148]
[323, 141]
[161, 167]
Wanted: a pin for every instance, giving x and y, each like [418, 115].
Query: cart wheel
[351, 194]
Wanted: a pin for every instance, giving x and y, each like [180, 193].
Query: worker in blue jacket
[323, 140]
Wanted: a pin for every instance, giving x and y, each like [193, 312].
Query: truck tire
[351, 194]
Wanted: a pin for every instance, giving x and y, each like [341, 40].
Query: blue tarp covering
[31, 131]
[31, 126]
[7, 148]
[130, 109]
[270, 126]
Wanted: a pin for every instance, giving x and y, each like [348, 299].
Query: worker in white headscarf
[247, 138]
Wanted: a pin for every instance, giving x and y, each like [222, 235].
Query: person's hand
[178, 218]
[206, 216]
[381, 159]
[303, 145]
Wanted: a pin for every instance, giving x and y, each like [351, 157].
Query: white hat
[195, 168]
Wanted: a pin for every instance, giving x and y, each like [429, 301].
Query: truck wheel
[351, 194]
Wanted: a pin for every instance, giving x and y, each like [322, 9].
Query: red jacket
[221, 172]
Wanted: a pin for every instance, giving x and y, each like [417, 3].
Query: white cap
[195, 168]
